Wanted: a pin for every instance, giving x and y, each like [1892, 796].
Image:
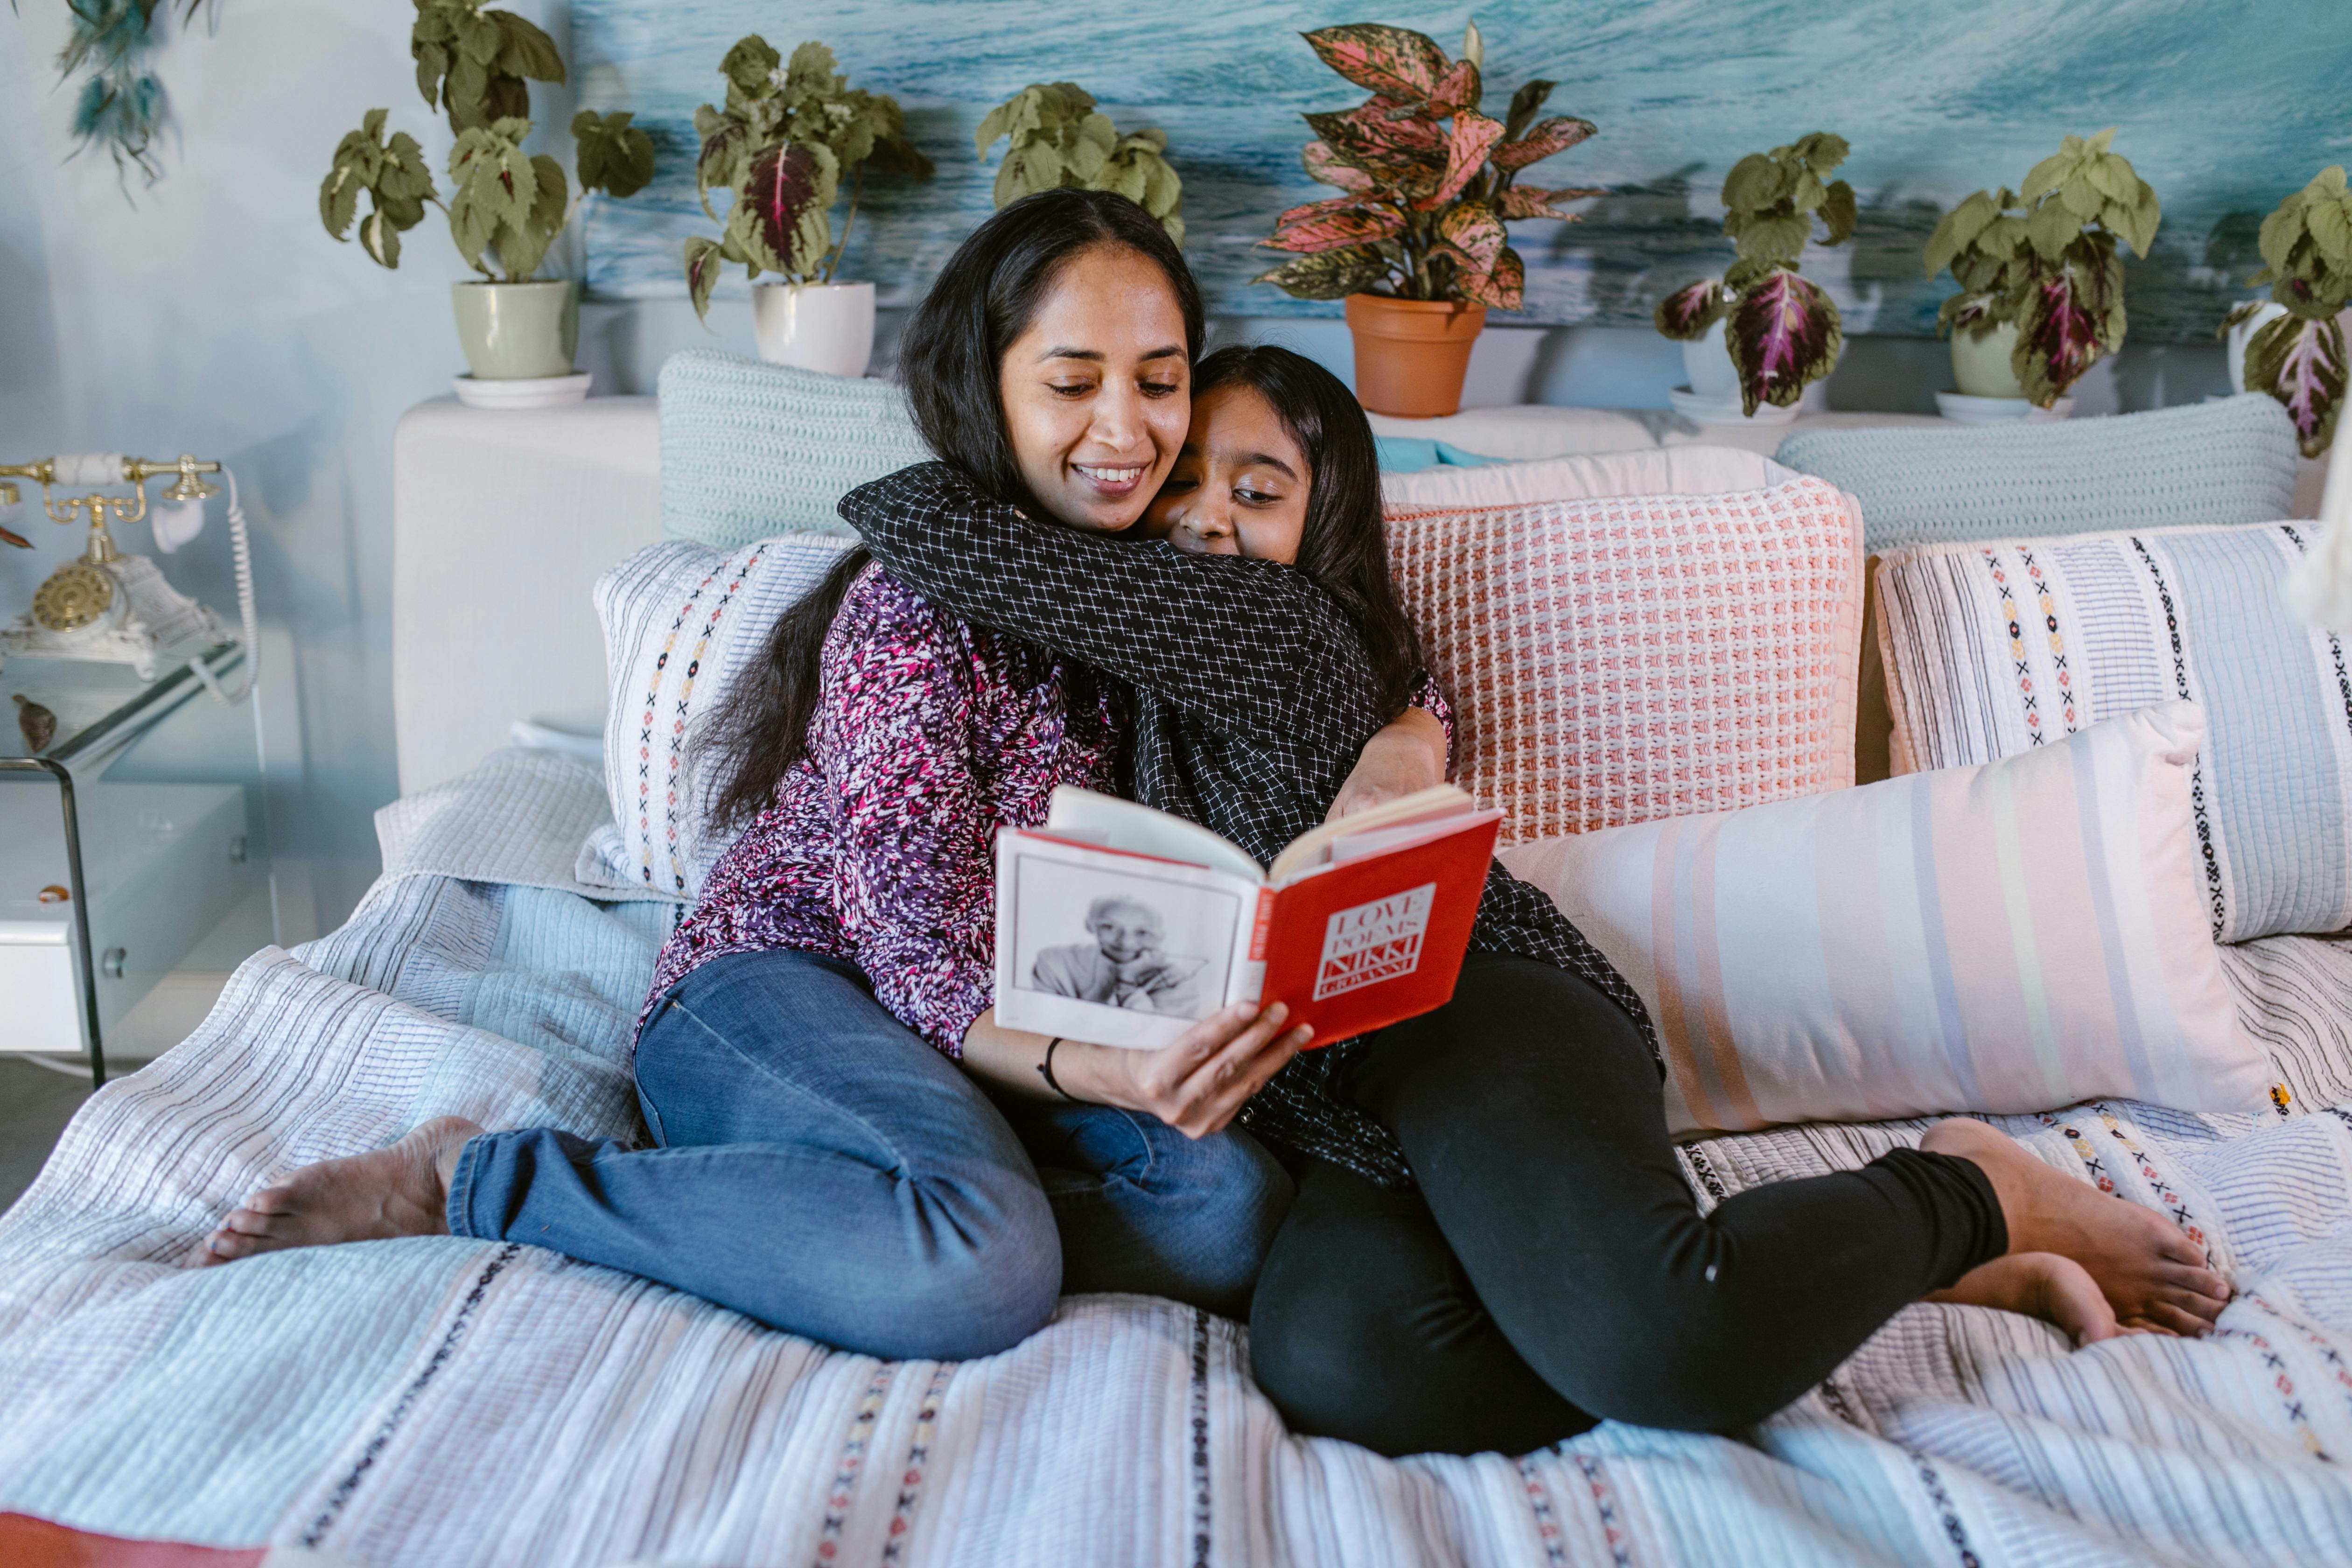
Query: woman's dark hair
[948, 361]
[1344, 546]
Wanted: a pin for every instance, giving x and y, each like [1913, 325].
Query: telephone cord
[241, 563]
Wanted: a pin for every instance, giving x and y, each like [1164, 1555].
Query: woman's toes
[2204, 1308]
[2179, 1247]
[2188, 1325]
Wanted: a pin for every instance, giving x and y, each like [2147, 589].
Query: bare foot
[401, 1189]
[2041, 1285]
[2150, 1273]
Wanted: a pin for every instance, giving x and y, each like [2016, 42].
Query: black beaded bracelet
[1046, 1070]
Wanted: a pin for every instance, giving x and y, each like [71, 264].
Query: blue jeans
[821, 1169]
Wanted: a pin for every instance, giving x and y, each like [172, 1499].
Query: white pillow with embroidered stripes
[682, 621]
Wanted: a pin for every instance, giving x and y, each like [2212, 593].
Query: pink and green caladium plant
[1781, 331]
[1428, 181]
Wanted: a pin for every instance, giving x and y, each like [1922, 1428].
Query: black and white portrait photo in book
[1127, 939]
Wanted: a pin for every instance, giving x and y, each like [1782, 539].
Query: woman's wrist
[1096, 1074]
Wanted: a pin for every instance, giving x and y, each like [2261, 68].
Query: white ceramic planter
[1708, 364]
[2241, 335]
[1980, 364]
[826, 327]
[517, 332]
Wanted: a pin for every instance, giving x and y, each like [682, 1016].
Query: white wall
[211, 314]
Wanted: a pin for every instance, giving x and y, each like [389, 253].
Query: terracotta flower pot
[1411, 354]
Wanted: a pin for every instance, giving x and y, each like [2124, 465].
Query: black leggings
[1553, 1269]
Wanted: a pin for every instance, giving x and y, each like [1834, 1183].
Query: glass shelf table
[133, 842]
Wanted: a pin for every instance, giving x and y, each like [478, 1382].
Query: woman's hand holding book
[1196, 1083]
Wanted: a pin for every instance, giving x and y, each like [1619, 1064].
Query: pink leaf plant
[1427, 179]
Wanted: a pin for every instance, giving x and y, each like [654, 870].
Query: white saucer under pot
[1962, 409]
[1701, 410]
[534, 391]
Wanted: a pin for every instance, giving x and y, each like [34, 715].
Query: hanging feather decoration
[121, 106]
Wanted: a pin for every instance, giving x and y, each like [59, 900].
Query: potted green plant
[788, 136]
[2294, 345]
[1416, 245]
[2042, 288]
[1761, 333]
[505, 206]
[1056, 139]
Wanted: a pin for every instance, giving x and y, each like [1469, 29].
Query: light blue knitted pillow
[2228, 461]
[750, 450]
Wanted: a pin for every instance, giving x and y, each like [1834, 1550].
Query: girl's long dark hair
[948, 361]
[1343, 547]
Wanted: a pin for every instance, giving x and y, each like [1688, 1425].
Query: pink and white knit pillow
[1631, 657]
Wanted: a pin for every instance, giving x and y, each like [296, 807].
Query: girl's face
[1097, 391]
[1240, 483]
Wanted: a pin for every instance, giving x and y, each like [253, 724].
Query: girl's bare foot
[2150, 1273]
[2041, 1285]
[401, 1189]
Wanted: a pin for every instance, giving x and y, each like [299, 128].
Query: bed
[441, 1400]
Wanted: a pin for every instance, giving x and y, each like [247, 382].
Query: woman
[821, 1163]
[1493, 1245]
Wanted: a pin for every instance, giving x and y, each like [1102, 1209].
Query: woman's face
[1126, 932]
[1240, 483]
[1097, 391]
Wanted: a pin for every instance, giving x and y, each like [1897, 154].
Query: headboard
[502, 520]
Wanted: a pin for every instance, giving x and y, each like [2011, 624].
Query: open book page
[1123, 824]
[1116, 947]
[1311, 849]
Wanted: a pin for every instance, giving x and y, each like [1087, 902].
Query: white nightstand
[133, 844]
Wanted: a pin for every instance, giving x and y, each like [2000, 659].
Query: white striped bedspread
[445, 1402]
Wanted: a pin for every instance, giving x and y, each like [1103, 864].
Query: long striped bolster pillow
[2007, 938]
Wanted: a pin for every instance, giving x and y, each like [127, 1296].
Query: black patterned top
[1253, 694]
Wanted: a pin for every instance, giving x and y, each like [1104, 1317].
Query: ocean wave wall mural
[2223, 106]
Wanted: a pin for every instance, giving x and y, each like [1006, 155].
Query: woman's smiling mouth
[1112, 481]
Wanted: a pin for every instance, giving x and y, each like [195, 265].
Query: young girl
[1493, 1244]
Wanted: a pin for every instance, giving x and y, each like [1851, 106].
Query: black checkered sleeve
[1232, 639]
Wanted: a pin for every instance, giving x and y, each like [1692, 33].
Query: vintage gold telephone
[115, 607]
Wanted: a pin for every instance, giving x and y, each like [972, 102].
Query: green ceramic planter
[517, 332]
[1980, 364]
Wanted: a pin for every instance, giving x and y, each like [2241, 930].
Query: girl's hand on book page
[1407, 756]
[1198, 1082]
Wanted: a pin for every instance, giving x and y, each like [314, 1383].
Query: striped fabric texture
[2001, 939]
[447, 1403]
[1629, 658]
[749, 449]
[2227, 460]
[681, 621]
[2002, 648]
[1660, 470]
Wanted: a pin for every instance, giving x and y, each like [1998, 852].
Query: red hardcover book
[1122, 925]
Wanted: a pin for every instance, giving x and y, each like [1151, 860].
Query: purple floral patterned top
[880, 848]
